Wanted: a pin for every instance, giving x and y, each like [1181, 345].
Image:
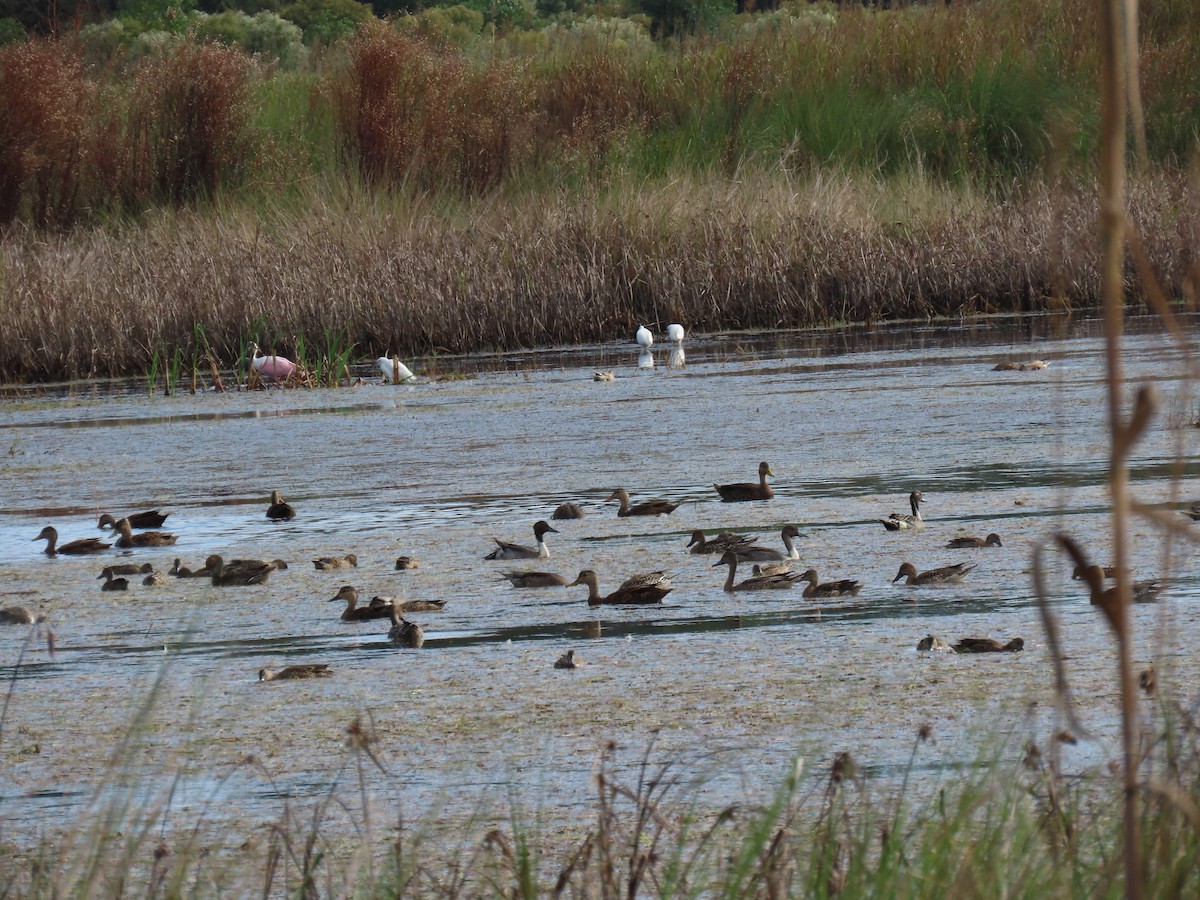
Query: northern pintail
[967, 543]
[292, 673]
[945, 575]
[279, 510]
[755, 553]
[726, 540]
[988, 645]
[897, 522]
[49, 534]
[149, 519]
[648, 508]
[779, 581]
[536, 579]
[748, 490]
[238, 571]
[505, 550]
[641, 589]
[567, 661]
[931, 643]
[19, 615]
[143, 538]
[404, 632]
[845, 587]
[328, 563]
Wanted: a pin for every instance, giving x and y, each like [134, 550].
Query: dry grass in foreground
[425, 277]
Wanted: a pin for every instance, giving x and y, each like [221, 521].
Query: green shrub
[11, 31]
[327, 20]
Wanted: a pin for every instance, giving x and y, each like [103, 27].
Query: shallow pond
[732, 685]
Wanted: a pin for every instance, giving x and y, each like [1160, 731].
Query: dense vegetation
[954, 142]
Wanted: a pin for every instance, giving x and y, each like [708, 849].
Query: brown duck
[83, 546]
[355, 613]
[988, 645]
[278, 510]
[567, 661]
[639, 590]
[143, 538]
[726, 540]
[128, 569]
[239, 571]
[536, 579]
[405, 563]
[112, 583]
[774, 582]
[404, 632]
[968, 543]
[182, 571]
[149, 519]
[327, 563]
[19, 615]
[748, 490]
[292, 673]
[846, 587]
[649, 508]
[945, 575]
[568, 511]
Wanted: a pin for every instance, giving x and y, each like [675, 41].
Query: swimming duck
[292, 673]
[747, 490]
[932, 643]
[649, 508]
[408, 634]
[278, 510]
[644, 337]
[846, 587]
[127, 569]
[988, 645]
[897, 522]
[327, 563]
[1033, 365]
[641, 589]
[238, 571]
[19, 615]
[271, 368]
[535, 579]
[776, 568]
[182, 571]
[1006, 366]
[111, 583]
[726, 540]
[408, 605]
[604, 376]
[393, 370]
[505, 550]
[755, 553]
[143, 538]
[355, 613]
[779, 581]
[1141, 591]
[966, 543]
[404, 563]
[945, 575]
[567, 661]
[49, 534]
[568, 511]
[150, 519]
[154, 579]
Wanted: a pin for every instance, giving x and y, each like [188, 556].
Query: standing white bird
[675, 333]
[394, 370]
[644, 337]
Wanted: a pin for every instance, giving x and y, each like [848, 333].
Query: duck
[127, 569]
[404, 632]
[649, 508]
[846, 587]
[568, 511]
[639, 590]
[143, 538]
[154, 579]
[384, 602]
[988, 645]
[567, 661]
[725, 540]
[747, 490]
[181, 571]
[393, 370]
[932, 643]
[505, 550]
[1033, 365]
[112, 583]
[675, 333]
[945, 575]
[19, 615]
[604, 376]
[83, 546]
[238, 572]
[404, 563]
[897, 522]
[279, 511]
[327, 563]
[1140, 591]
[292, 673]
[536, 579]
[644, 337]
[778, 581]
[754, 553]
[967, 543]
[271, 368]
[355, 613]
[149, 519]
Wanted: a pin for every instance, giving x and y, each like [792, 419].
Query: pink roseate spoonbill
[272, 368]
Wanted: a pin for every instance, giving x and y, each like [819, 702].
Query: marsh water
[158, 685]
